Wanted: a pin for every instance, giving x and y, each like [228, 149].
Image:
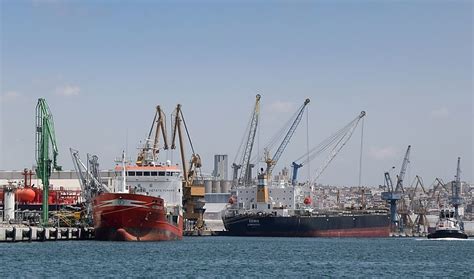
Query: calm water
[242, 257]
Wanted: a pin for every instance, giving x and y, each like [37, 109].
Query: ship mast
[456, 189]
[124, 173]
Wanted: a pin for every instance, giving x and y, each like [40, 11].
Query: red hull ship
[144, 200]
[144, 204]
[132, 217]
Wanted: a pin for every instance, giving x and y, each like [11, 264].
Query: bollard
[83, 233]
[74, 233]
[9, 234]
[17, 234]
[58, 234]
[45, 234]
[3, 235]
[33, 233]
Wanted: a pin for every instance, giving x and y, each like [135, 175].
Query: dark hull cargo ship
[363, 224]
[287, 212]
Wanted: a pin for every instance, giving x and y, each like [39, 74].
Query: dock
[206, 233]
[33, 233]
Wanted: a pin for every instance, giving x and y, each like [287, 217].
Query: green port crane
[46, 151]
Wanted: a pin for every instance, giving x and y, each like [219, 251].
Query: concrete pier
[408, 234]
[26, 233]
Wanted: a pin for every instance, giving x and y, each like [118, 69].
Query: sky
[103, 66]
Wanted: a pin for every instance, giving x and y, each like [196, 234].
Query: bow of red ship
[132, 217]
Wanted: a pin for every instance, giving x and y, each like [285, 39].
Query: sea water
[227, 257]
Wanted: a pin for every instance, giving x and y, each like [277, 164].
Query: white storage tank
[208, 186]
[225, 186]
[8, 203]
[216, 186]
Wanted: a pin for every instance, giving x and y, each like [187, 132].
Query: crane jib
[271, 163]
[45, 140]
[334, 143]
[245, 164]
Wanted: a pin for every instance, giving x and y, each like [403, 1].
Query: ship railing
[348, 212]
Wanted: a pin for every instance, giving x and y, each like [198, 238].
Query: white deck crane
[334, 143]
[245, 177]
[271, 162]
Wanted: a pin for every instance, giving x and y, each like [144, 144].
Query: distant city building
[220, 167]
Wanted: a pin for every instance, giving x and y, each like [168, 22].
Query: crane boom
[339, 145]
[193, 194]
[271, 162]
[419, 181]
[244, 177]
[438, 186]
[177, 132]
[337, 140]
[388, 182]
[89, 179]
[401, 176]
[158, 124]
[46, 147]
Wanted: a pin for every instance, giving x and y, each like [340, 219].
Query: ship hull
[447, 234]
[364, 225]
[132, 217]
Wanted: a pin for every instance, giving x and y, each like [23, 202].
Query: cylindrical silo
[208, 186]
[198, 181]
[216, 186]
[225, 186]
[8, 204]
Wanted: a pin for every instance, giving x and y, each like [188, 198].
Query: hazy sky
[104, 65]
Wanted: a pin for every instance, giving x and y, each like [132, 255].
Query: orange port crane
[158, 124]
[193, 194]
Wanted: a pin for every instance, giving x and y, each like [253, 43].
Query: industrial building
[220, 167]
[66, 179]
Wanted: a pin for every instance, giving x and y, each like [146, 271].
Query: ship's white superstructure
[447, 221]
